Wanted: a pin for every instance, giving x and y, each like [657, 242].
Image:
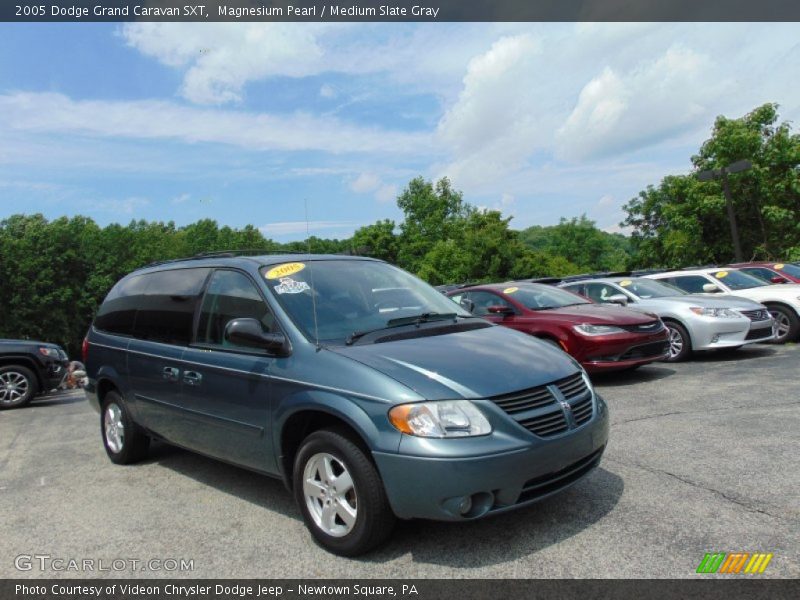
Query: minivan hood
[480, 363]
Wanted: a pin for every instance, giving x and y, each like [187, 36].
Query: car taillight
[85, 349]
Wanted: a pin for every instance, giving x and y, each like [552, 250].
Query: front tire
[124, 441]
[18, 386]
[341, 495]
[787, 324]
[680, 344]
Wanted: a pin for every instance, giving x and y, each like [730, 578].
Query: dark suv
[368, 392]
[29, 368]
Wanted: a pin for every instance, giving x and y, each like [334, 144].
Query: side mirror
[779, 279]
[710, 288]
[500, 310]
[250, 334]
[467, 304]
[620, 299]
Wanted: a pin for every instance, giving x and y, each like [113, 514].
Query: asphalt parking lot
[703, 457]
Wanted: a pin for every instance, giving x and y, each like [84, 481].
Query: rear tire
[787, 324]
[341, 495]
[124, 440]
[18, 386]
[680, 344]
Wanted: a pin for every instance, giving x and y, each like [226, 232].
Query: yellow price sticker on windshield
[510, 290]
[780, 266]
[625, 283]
[721, 274]
[284, 270]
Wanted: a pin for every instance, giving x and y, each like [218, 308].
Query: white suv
[782, 300]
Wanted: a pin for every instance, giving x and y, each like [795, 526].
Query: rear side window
[230, 295]
[166, 309]
[117, 313]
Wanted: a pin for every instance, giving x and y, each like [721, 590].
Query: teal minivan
[371, 395]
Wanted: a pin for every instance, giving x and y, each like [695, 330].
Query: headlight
[720, 313]
[587, 329]
[49, 352]
[442, 419]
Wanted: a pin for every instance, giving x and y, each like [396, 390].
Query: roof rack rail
[222, 254]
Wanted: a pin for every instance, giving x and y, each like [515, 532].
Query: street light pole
[722, 173]
[737, 246]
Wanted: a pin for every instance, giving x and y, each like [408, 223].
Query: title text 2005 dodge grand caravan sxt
[368, 392]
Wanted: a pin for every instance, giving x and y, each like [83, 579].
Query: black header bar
[400, 10]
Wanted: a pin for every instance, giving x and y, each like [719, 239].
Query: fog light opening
[465, 506]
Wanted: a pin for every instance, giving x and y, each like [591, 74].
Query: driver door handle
[170, 373]
[192, 378]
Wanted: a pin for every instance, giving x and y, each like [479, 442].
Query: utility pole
[722, 173]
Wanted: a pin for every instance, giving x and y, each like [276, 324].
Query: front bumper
[617, 352]
[711, 334]
[437, 487]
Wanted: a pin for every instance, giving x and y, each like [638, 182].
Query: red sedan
[771, 272]
[601, 337]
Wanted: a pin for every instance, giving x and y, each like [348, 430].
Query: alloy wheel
[114, 427]
[675, 342]
[330, 494]
[13, 386]
[782, 324]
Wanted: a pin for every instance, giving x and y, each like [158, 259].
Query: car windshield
[791, 269]
[648, 288]
[543, 297]
[352, 296]
[737, 280]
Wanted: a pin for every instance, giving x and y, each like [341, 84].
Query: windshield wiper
[402, 321]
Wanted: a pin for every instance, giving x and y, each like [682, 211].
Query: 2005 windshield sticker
[284, 270]
[290, 286]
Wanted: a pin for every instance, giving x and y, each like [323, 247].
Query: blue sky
[244, 122]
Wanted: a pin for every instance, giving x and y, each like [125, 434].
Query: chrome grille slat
[756, 315]
[549, 421]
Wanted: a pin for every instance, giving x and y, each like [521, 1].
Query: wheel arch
[28, 363]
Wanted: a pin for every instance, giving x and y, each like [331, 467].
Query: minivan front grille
[550, 423]
[529, 399]
[549, 416]
[572, 386]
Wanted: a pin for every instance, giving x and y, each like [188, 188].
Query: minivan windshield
[353, 296]
[649, 288]
[738, 280]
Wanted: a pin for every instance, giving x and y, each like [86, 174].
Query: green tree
[684, 221]
[433, 213]
[377, 240]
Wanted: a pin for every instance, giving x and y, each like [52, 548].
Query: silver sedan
[694, 322]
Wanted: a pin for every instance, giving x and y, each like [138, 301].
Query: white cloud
[124, 206]
[657, 99]
[328, 91]
[369, 182]
[607, 201]
[496, 122]
[221, 58]
[292, 227]
[365, 182]
[155, 119]
[386, 193]
[181, 199]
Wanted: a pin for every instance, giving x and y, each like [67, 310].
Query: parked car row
[659, 316]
